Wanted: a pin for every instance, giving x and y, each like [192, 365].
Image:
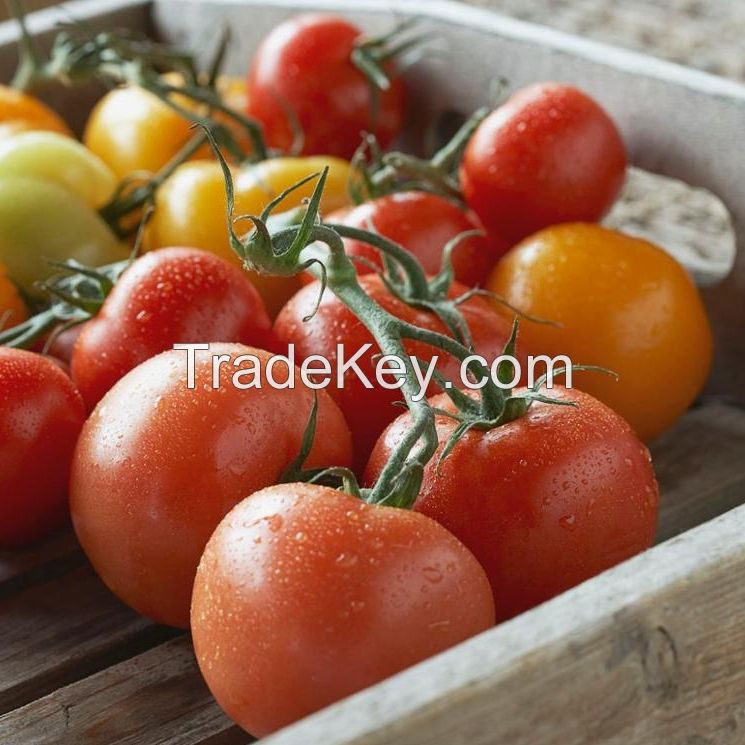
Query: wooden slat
[650, 652]
[700, 465]
[61, 630]
[155, 697]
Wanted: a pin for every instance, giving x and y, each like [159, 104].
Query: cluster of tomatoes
[306, 593]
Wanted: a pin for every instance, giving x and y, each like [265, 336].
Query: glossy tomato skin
[12, 308]
[159, 465]
[306, 595]
[191, 208]
[623, 303]
[369, 410]
[41, 415]
[424, 224]
[175, 295]
[303, 69]
[549, 155]
[544, 502]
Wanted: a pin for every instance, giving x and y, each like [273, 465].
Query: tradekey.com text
[389, 371]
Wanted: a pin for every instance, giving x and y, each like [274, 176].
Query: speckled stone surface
[707, 34]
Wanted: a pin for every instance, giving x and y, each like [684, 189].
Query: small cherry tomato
[158, 465]
[303, 72]
[52, 157]
[545, 501]
[424, 224]
[369, 410]
[550, 154]
[20, 112]
[40, 222]
[306, 595]
[134, 132]
[12, 308]
[170, 296]
[622, 303]
[191, 208]
[41, 415]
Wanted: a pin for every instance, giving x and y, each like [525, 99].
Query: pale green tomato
[41, 221]
[62, 160]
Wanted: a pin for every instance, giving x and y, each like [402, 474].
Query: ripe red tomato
[549, 155]
[369, 410]
[169, 296]
[303, 70]
[544, 502]
[424, 224]
[159, 465]
[306, 595]
[41, 415]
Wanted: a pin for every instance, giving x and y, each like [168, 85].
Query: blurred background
[706, 34]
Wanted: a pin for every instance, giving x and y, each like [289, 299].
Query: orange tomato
[20, 112]
[133, 131]
[12, 308]
[622, 303]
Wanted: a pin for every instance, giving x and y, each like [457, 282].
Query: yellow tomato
[623, 303]
[133, 131]
[191, 209]
[53, 157]
[20, 112]
[12, 308]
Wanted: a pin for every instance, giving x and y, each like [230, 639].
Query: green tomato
[41, 222]
[61, 160]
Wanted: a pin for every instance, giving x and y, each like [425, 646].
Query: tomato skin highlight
[544, 502]
[41, 415]
[158, 466]
[306, 595]
[369, 410]
[423, 224]
[623, 303]
[549, 155]
[170, 296]
[302, 69]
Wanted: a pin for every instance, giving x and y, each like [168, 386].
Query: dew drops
[432, 574]
[346, 560]
[567, 522]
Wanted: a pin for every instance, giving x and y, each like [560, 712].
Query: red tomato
[424, 224]
[63, 343]
[159, 465]
[41, 415]
[549, 155]
[305, 595]
[544, 502]
[303, 70]
[369, 410]
[169, 296]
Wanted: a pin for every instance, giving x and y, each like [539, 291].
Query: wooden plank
[155, 697]
[61, 630]
[700, 465]
[650, 652]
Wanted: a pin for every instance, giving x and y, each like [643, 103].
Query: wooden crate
[652, 651]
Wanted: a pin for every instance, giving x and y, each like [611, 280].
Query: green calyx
[376, 173]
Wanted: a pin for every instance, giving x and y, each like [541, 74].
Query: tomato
[545, 501]
[12, 308]
[159, 465]
[306, 595]
[191, 209]
[41, 221]
[41, 415]
[52, 157]
[424, 224]
[20, 112]
[369, 410]
[622, 303]
[133, 131]
[170, 296]
[303, 71]
[550, 154]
